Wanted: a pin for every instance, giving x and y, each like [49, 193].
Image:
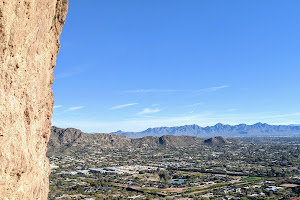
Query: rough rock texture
[29, 43]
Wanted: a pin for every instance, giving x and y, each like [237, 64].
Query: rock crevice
[29, 43]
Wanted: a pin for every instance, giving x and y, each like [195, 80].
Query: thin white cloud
[189, 113]
[202, 91]
[284, 115]
[211, 89]
[58, 106]
[123, 106]
[148, 111]
[195, 104]
[150, 116]
[70, 109]
[151, 91]
[231, 110]
[75, 108]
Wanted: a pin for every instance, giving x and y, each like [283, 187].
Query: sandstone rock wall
[29, 43]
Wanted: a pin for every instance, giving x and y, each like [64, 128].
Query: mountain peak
[258, 129]
[72, 140]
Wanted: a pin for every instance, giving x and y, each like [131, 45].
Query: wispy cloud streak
[211, 89]
[151, 91]
[148, 111]
[231, 110]
[123, 106]
[202, 91]
[75, 108]
[195, 104]
[284, 115]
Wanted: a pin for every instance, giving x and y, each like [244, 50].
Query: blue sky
[136, 64]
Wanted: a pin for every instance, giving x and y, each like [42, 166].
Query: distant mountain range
[74, 140]
[64, 141]
[241, 130]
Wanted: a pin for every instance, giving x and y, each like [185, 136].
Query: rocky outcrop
[217, 141]
[29, 43]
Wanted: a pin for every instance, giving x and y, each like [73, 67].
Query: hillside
[70, 139]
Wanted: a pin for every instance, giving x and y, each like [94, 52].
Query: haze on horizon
[131, 65]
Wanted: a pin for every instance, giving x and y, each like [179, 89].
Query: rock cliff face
[29, 43]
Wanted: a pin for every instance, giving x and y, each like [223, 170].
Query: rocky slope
[29, 43]
[217, 141]
[258, 129]
[64, 141]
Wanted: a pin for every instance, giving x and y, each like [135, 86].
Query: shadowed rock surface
[29, 43]
[217, 141]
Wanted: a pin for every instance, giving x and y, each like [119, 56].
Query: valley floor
[259, 168]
